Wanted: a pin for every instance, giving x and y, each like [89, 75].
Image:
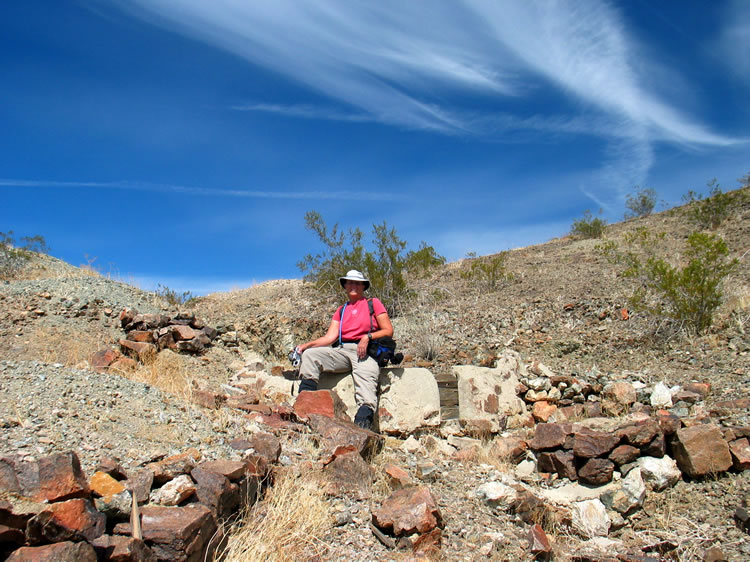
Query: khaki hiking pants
[342, 359]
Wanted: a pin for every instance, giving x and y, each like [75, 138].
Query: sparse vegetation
[589, 226]
[711, 211]
[174, 298]
[14, 255]
[641, 203]
[490, 271]
[687, 295]
[384, 265]
[287, 525]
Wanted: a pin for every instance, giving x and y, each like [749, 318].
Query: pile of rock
[169, 509]
[148, 334]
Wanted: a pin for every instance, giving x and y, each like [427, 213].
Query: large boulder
[487, 399]
[701, 450]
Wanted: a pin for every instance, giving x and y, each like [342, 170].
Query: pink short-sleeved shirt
[357, 318]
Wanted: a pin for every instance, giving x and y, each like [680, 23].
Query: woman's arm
[331, 336]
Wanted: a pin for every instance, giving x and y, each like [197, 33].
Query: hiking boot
[307, 384]
[364, 417]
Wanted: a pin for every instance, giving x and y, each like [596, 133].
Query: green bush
[714, 209]
[589, 226]
[14, 256]
[490, 271]
[686, 295]
[641, 203]
[384, 265]
[173, 297]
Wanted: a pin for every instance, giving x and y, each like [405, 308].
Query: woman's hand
[362, 347]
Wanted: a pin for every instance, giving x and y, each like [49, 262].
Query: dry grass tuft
[168, 372]
[51, 345]
[381, 487]
[286, 525]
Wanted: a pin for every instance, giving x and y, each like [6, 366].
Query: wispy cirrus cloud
[199, 191]
[454, 68]
[734, 38]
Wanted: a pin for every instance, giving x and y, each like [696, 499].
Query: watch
[369, 337]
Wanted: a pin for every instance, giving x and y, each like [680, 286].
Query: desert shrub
[489, 271]
[420, 262]
[13, 256]
[641, 203]
[384, 264]
[173, 297]
[686, 295]
[711, 211]
[588, 226]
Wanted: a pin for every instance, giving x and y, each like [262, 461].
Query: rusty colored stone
[103, 485]
[538, 541]
[398, 477]
[336, 433]
[207, 399]
[116, 548]
[508, 448]
[75, 520]
[175, 533]
[740, 449]
[234, 470]
[139, 483]
[559, 462]
[266, 445]
[59, 478]
[143, 352]
[143, 336]
[103, 358]
[60, 552]
[589, 443]
[623, 454]
[321, 402]
[182, 333]
[216, 491]
[407, 511]
[171, 467]
[349, 475]
[703, 389]
[596, 471]
[548, 436]
[701, 450]
[543, 410]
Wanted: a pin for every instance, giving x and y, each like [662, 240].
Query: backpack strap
[341, 322]
[372, 313]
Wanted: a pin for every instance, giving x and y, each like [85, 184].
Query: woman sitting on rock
[349, 337]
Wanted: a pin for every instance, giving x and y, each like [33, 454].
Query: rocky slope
[563, 307]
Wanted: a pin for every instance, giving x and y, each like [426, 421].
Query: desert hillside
[564, 307]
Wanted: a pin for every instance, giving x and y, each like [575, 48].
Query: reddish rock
[623, 454]
[59, 478]
[266, 445]
[701, 450]
[207, 399]
[124, 365]
[348, 475]
[234, 470]
[617, 397]
[548, 436]
[702, 389]
[740, 449]
[538, 541]
[530, 508]
[543, 410]
[74, 520]
[144, 336]
[110, 466]
[60, 552]
[572, 412]
[508, 448]
[103, 359]
[624, 314]
[731, 405]
[11, 536]
[337, 433]
[593, 410]
[122, 549]
[588, 443]
[183, 333]
[398, 477]
[126, 316]
[322, 402]
[427, 546]
[639, 434]
[407, 511]
[243, 401]
[103, 485]
[559, 462]
[143, 352]
[216, 491]
[256, 466]
[175, 533]
[171, 467]
[139, 483]
[195, 345]
[657, 448]
[147, 322]
[668, 422]
[596, 471]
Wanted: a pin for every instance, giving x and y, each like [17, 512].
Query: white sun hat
[354, 275]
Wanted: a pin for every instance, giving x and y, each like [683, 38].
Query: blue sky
[181, 142]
